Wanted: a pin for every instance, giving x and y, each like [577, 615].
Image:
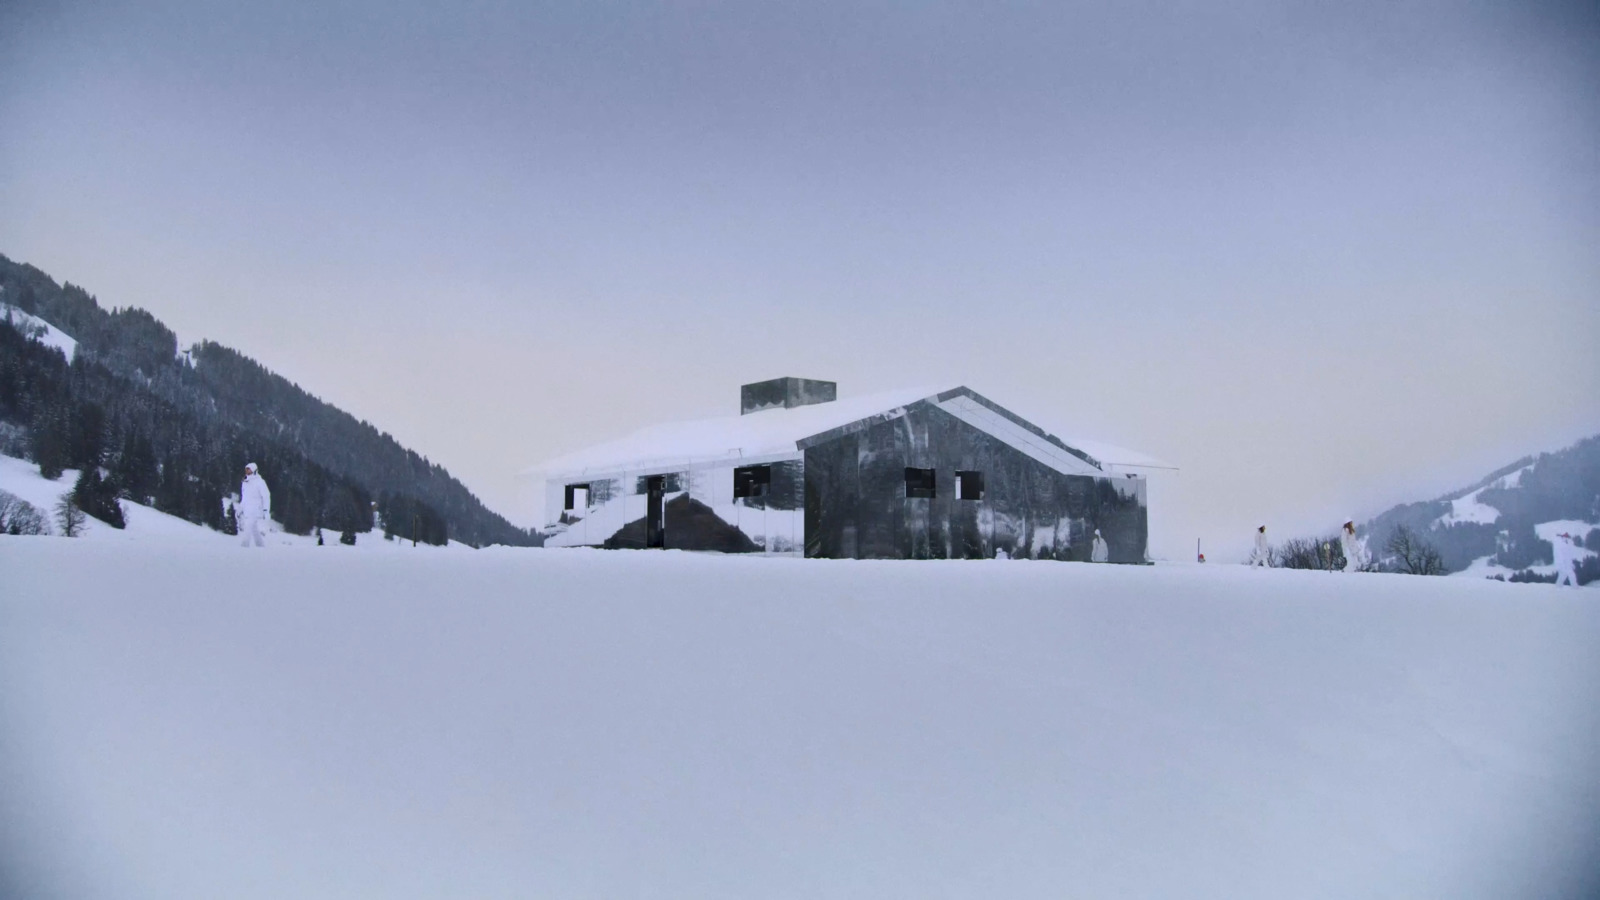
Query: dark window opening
[669, 483]
[655, 534]
[969, 485]
[577, 496]
[919, 482]
[752, 481]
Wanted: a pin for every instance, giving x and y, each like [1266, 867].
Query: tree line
[129, 444]
[172, 431]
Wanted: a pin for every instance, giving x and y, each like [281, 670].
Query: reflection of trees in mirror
[1528, 576]
[1589, 568]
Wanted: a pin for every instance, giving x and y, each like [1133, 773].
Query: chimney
[786, 393]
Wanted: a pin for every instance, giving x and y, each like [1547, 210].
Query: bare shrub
[1310, 553]
[18, 516]
[69, 518]
[1413, 555]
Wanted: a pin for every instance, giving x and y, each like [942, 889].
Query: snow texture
[756, 436]
[987, 420]
[204, 721]
[39, 330]
[1469, 509]
[1472, 509]
[1116, 459]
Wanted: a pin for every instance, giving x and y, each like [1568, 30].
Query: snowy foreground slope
[206, 721]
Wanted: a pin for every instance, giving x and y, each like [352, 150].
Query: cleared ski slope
[201, 721]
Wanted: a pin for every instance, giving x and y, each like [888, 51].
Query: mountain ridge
[330, 466]
[1560, 486]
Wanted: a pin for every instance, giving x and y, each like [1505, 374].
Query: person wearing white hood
[255, 506]
[1101, 552]
[1566, 559]
[1261, 556]
[1355, 549]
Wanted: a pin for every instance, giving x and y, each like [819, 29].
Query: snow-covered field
[198, 720]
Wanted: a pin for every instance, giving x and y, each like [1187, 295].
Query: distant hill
[173, 428]
[1494, 524]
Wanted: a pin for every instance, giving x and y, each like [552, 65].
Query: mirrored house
[920, 474]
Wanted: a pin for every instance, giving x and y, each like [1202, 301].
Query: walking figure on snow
[1355, 549]
[1101, 552]
[255, 506]
[1261, 556]
[1566, 559]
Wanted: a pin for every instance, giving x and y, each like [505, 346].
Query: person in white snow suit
[1566, 554]
[255, 507]
[1101, 552]
[1355, 549]
[1261, 556]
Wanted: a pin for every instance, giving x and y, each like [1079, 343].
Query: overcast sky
[1324, 259]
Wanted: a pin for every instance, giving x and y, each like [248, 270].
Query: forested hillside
[174, 429]
[1494, 519]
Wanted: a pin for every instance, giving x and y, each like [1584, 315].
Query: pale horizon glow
[1324, 261]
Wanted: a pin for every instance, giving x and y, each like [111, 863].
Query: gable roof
[780, 432]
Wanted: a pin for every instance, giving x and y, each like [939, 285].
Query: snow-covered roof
[1117, 458]
[776, 432]
[767, 433]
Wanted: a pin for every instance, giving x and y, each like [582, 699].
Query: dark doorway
[577, 496]
[654, 533]
[752, 481]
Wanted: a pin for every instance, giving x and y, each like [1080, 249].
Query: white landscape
[189, 719]
[446, 298]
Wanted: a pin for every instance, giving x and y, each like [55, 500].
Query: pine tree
[50, 441]
[87, 430]
[134, 473]
[97, 498]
